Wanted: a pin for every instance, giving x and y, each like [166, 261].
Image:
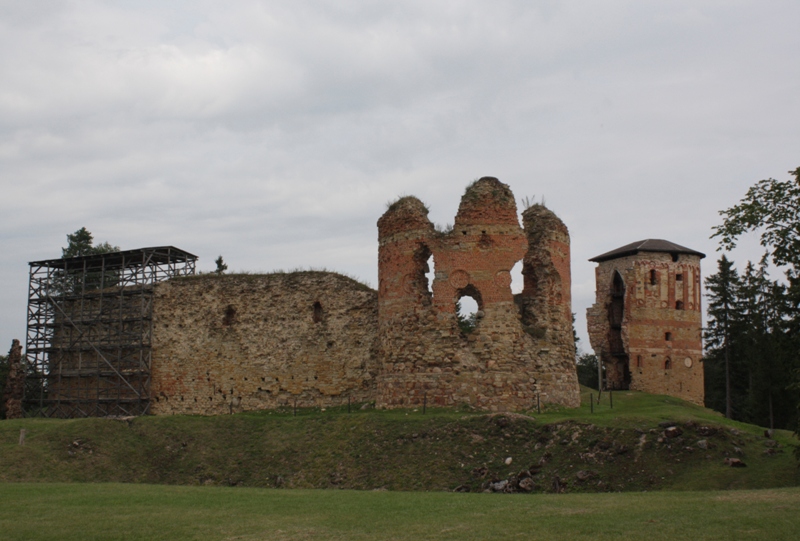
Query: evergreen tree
[221, 266]
[81, 243]
[722, 317]
[587, 370]
[770, 310]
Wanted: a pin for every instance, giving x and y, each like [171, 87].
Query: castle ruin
[147, 335]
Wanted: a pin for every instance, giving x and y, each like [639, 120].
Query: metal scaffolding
[89, 332]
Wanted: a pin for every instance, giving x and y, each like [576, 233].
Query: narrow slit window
[667, 363]
[317, 312]
[678, 305]
[653, 277]
[668, 336]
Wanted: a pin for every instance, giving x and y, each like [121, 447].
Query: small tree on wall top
[221, 266]
[81, 242]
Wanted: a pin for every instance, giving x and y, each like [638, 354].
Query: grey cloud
[275, 132]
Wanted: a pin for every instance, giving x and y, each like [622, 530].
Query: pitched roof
[647, 245]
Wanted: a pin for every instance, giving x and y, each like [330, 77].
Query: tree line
[752, 336]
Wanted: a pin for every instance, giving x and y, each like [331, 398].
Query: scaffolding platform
[89, 335]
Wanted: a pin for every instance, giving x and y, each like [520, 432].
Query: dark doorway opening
[620, 376]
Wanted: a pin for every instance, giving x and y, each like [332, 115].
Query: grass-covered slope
[619, 449]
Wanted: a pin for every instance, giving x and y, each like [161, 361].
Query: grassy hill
[627, 448]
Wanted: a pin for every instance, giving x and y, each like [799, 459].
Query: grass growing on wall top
[291, 273]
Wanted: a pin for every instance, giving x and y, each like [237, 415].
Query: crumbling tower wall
[500, 365]
[546, 300]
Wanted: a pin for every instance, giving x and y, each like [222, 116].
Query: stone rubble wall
[249, 342]
[501, 364]
[656, 365]
[15, 383]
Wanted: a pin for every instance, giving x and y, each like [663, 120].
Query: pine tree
[772, 208]
[221, 266]
[722, 316]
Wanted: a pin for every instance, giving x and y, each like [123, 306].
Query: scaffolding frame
[89, 334]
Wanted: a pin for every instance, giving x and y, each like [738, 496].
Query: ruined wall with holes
[248, 342]
[652, 341]
[520, 348]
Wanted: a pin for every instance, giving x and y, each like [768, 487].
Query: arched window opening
[678, 305]
[317, 312]
[430, 274]
[423, 261]
[620, 377]
[618, 285]
[517, 280]
[675, 258]
[653, 277]
[468, 309]
[616, 313]
[667, 363]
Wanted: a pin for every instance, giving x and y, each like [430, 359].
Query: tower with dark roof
[646, 323]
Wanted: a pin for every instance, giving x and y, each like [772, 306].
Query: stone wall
[15, 383]
[659, 343]
[517, 349]
[248, 342]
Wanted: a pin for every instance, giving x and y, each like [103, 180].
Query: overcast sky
[274, 133]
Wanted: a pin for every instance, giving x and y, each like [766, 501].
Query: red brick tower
[646, 324]
[500, 365]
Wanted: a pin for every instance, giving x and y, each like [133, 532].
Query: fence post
[538, 404]
[591, 402]
[424, 403]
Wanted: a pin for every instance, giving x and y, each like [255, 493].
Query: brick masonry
[650, 338]
[248, 342]
[520, 347]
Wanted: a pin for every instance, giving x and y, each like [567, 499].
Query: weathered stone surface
[518, 349]
[247, 342]
[645, 325]
[503, 363]
[222, 344]
[15, 382]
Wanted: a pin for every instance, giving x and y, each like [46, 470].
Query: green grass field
[130, 512]
[602, 474]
